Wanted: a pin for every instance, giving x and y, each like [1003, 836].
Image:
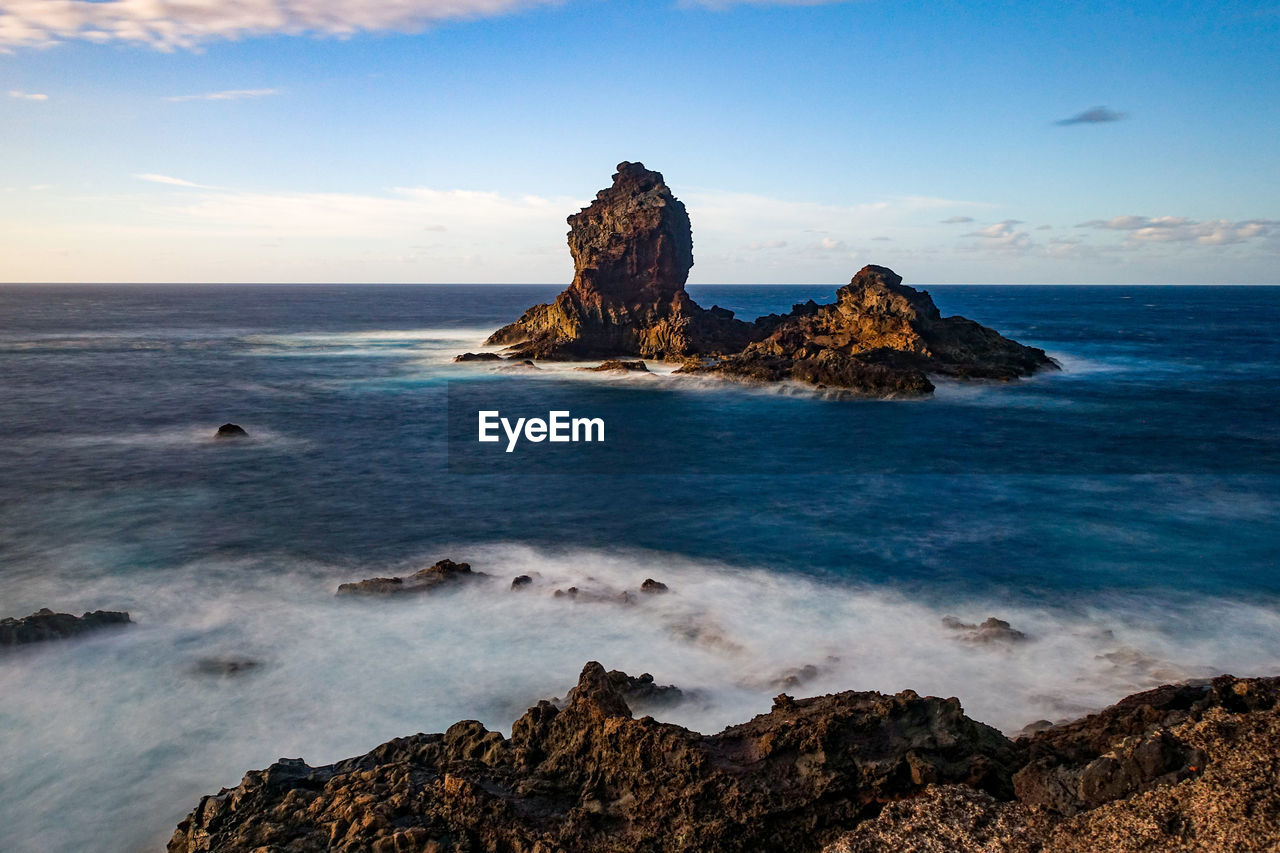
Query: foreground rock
[632, 250]
[442, 574]
[1119, 790]
[589, 777]
[44, 624]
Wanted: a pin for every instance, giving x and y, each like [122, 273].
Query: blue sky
[447, 140]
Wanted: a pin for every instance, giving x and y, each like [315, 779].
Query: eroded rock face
[880, 337]
[632, 250]
[588, 777]
[1112, 787]
[44, 624]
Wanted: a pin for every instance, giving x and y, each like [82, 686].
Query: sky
[447, 140]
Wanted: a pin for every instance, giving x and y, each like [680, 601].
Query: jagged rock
[44, 624]
[617, 366]
[231, 431]
[632, 250]
[443, 573]
[993, 630]
[879, 337]
[589, 778]
[477, 356]
[1230, 802]
[653, 587]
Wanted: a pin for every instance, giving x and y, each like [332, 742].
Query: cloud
[173, 182]
[186, 24]
[27, 96]
[1004, 236]
[956, 220]
[1179, 229]
[228, 95]
[830, 244]
[1097, 115]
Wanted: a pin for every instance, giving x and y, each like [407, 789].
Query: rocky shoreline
[632, 250]
[1182, 767]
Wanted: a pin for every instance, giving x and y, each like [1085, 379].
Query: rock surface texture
[44, 624]
[840, 773]
[632, 250]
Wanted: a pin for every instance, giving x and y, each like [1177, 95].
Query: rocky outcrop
[589, 777]
[632, 250]
[44, 624]
[442, 574]
[992, 630]
[879, 337]
[230, 431]
[844, 773]
[618, 366]
[1180, 768]
[476, 356]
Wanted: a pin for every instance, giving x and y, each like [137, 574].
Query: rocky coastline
[632, 250]
[1183, 767]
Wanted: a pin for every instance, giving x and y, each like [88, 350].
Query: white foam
[110, 740]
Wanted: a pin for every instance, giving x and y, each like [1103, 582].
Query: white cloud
[27, 96]
[1179, 229]
[173, 182]
[1005, 237]
[228, 95]
[956, 220]
[186, 24]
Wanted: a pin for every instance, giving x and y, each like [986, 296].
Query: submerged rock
[224, 667]
[44, 624]
[589, 777]
[992, 630]
[231, 431]
[432, 578]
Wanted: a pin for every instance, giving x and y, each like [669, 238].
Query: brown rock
[588, 777]
[477, 356]
[632, 250]
[616, 366]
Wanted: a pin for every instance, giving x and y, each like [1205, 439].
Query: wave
[109, 741]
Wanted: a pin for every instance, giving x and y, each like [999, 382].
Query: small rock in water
[445, 572]
[652, 586]
[477, 356]
[231, 431]
[993, 630]
[521, 580]
[44, 624]
[617, 366]
[225, 667]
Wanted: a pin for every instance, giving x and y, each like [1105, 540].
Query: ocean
[1123, 513]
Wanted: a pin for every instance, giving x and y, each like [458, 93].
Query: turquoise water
[1122, 511]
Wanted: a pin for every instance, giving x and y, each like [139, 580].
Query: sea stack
[632, 250]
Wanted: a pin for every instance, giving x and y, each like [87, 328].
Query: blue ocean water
[1123, 511]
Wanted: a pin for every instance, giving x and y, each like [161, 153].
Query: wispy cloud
[228, 95]
[166, 26]
[1004, 236]
[1097, 115]
[1179, 229]
[27, 96]
[957, 220]
[173, 182]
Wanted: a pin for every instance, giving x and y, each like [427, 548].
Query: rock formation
[845, 773]
[443, 573]
[879, 337]
[632, 250]
[231, 431]
[44, 624]
[589, 777]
